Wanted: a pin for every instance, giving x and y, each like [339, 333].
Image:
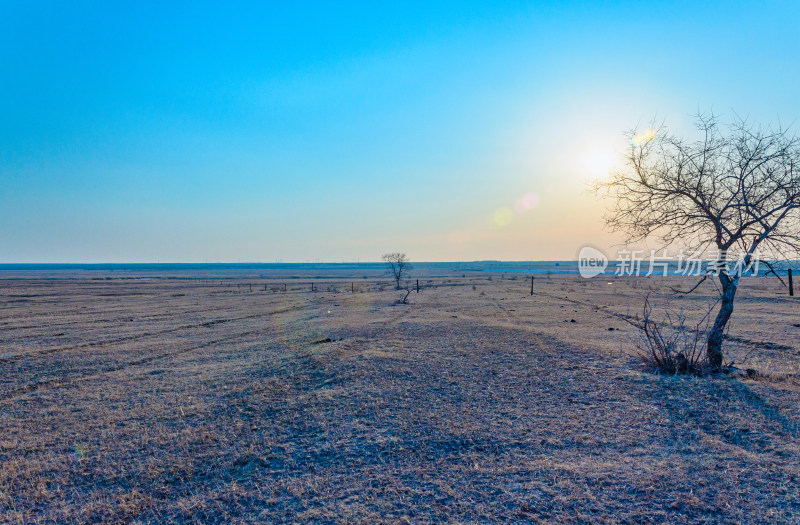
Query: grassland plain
[211, 400]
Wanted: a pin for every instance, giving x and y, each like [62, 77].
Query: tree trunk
[715, 337]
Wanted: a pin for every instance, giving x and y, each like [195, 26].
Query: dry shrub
[669, 344]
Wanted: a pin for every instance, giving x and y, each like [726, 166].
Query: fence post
[791, 283]
[417, 285]
[531, 284]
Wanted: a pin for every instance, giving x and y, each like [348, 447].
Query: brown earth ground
[211, 400]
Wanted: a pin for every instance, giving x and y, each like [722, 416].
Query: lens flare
[526, 203]
[643, 137]
[503, 216]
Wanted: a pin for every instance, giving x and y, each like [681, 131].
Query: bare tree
[735, 189]
[398, 265]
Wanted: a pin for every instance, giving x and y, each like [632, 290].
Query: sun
[599, 161]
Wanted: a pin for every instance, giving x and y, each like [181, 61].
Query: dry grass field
[211, 400]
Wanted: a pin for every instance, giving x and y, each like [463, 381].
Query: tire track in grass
[551, 341]
[60, 382]
[122, 316]
[142, 335]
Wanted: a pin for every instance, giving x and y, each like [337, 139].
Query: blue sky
[339, 131]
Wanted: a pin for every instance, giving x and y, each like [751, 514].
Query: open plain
[227, 399]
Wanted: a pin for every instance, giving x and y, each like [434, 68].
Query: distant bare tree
[733, 190]
[398, 265]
